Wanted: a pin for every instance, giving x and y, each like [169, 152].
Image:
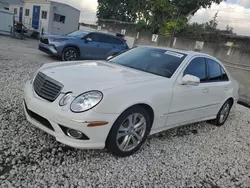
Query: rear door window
[215, 72]
[110, 40]
[115, 41]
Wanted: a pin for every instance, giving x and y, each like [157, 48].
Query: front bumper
[57, 116]
[48, 49]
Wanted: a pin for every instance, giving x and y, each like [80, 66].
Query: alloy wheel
[224, 112]
[131, 132]
[70, 55]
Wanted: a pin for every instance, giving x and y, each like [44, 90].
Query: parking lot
[198, 155]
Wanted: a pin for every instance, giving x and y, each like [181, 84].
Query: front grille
[44, 40]
[38, 118]
[46, 87]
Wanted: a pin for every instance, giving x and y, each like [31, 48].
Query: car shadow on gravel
[50, 57]
[186, 130]
[58, 149]
[189, 129]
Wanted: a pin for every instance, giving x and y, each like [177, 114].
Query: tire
[70, 54]
[223, 114]
[130, 137]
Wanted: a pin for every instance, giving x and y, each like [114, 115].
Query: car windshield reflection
[156, 61]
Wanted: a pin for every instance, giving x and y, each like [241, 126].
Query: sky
[235, 13]
[88, 9]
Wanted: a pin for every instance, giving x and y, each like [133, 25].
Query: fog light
[74, 134]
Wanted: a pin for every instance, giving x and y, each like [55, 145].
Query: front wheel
[129, 132]
[70, 54]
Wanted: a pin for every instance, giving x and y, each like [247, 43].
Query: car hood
[57, 37]
[83, 76]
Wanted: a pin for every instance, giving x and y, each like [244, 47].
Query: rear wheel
[70, 54]
[222, 114]
[129, 132]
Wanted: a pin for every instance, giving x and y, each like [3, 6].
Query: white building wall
[43, 23]
[12, 7]
[6, 22]
[49, 25]
[71, 21]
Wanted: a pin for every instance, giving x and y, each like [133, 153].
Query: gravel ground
[198, 155]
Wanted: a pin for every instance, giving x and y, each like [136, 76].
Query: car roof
[186, 52]
[110, 35]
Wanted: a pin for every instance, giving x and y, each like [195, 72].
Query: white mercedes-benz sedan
[119, 102]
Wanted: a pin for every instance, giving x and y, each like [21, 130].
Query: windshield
[78, 34]
[156, 61]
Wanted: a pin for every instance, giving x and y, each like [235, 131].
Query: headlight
[65, 99]
[86, 101]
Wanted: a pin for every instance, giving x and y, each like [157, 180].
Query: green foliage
[141, 25]
[205, 32]
[123, 10]
[156, 14]
[191, 6]
[194, 30]
[173, 25]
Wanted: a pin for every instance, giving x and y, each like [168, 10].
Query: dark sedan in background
[82, 45]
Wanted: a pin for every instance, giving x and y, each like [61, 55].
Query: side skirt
[154, 131]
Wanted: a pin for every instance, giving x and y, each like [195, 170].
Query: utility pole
[214, 20]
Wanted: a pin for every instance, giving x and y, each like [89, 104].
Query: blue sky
[235, 13]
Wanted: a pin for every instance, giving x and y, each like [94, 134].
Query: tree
[173, 25]
[141, 25]
[171, 9]
[155, 13]
[211, 26]
[229, 29]
[122, 10]
[193, 30]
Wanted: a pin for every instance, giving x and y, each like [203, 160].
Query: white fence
[27, 22]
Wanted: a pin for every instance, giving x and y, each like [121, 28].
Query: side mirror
[88, 40]
[190, 80]
[109, 57]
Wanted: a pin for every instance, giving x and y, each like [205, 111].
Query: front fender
[154, 94]
[68, 43]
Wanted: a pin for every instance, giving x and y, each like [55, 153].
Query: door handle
[226, 88]
[205, 90]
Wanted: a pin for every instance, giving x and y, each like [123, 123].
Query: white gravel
[199, 155]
